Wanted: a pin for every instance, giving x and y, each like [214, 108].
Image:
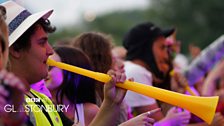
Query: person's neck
[140, 62]
[54, 93]
[26, 84]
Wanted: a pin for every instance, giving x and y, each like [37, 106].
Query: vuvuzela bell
[203, 107]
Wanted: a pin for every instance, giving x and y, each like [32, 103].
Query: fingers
[117, 76]
[147, 120]
[149, 113]
[131, 79]
[218, 117]
[150, 120]
[14, 82]
[119, 66]
[184, 115]
[173, 110]
[10, 80]
[122, 78]
[11, 89]
[112, 75]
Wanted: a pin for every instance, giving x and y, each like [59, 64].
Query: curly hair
[98, 47]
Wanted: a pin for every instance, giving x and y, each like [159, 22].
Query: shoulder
[90, 111]
[90, 108]
[139, 73]
[135, 68]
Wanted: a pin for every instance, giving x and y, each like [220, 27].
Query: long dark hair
[139, 42]
[77, 88]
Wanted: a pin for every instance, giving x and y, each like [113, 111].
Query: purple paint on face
[55, 75]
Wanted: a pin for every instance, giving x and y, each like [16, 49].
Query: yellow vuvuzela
[186, 87]
[203, 107]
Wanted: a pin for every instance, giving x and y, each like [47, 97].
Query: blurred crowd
[35, 94]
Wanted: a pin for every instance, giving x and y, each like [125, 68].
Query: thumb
[173, 110]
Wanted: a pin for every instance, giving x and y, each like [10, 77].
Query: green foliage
[116, 24]
[197, 21]
[65, 33]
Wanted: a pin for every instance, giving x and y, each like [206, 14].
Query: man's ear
[14, 53]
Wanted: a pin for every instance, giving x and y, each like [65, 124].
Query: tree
[198, 21]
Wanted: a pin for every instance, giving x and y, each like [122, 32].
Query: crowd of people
[35, 94]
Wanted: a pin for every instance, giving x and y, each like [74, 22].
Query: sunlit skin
[161, 54]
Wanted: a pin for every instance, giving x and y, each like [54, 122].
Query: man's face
[160, 53]
[34, 59]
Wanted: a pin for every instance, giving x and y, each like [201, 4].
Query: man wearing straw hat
[28, 52]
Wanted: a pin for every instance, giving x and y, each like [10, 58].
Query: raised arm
[113, 97]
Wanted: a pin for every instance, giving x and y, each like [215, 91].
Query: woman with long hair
[72, 89]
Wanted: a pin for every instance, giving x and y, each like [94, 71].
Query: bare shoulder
[90, 108]
[90, 111]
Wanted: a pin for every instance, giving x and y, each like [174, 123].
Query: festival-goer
[28, 52]
[11, 88]
[98, 47]
[214, 85]
[70, 89]
[148, 63]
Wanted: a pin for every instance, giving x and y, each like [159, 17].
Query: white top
[181, 61]
[80, 110]
[141, 75]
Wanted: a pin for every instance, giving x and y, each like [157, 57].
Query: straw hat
[19, 19]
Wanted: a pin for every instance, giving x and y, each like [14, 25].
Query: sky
[72, 11]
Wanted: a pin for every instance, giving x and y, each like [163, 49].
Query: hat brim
[27, 23]
[168, 32]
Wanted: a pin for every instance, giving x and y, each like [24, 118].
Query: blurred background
[198, 22]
